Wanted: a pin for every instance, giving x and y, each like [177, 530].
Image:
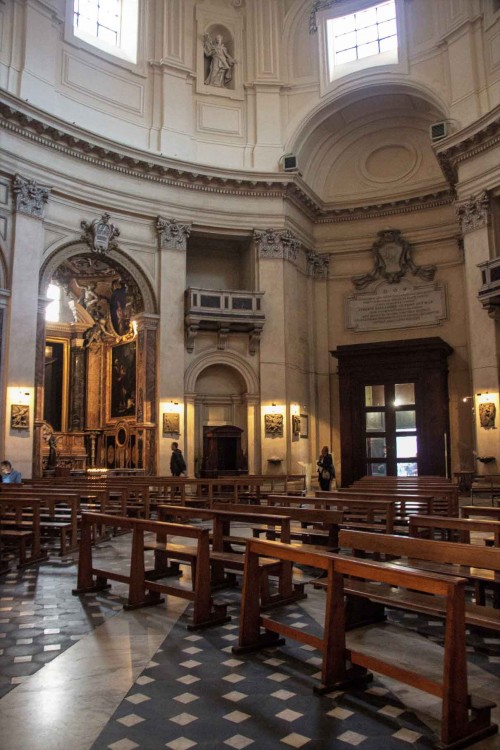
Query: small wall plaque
[273, 425]
[295, 424]
[487, 414]
[19, 416]
[171, 423]
[304, 425]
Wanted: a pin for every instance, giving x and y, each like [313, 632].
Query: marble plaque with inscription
[402, 305]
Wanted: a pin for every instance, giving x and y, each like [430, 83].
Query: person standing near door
[326, 469]
[177, 463]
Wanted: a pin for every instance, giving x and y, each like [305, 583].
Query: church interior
[250, 228]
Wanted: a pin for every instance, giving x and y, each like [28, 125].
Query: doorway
[391, 434]
[394, 414]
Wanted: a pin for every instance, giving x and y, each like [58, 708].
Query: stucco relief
[100, 234]
[392, 260]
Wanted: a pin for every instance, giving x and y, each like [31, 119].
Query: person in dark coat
[177, 463]
[326, 470]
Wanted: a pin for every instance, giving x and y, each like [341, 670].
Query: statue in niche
[90, 299]
[487, 414]
[221, 62]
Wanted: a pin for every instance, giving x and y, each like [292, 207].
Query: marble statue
[221, 63]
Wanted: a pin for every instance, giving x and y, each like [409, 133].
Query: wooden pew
[224, 558]
[24, 530]
[464, 719]
[453, 529]
[144, 592]
[325, 523]
[478, 511]
[480, 566]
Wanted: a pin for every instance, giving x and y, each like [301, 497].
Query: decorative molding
[474, 213]
[277, 243]
[318, 264]
[172, 234]
[30, 197]
[480, 137]
[392, 259]
[317, 6]
[100, 234]
[140, 165]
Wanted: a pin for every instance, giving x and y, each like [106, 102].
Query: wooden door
[394, 416]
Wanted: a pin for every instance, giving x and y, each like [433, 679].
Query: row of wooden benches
[448, 567]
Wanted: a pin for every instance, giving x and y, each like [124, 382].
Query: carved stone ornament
[100, 234]
[296, 424]
[30, 197]
[277, 243]
[273, 425]
[487, 414]
[172, 234]
[392, 256]
[317, 6]
[171, 423]
[318, 264]
[474, 213]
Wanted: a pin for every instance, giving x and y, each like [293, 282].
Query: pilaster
[172, 238]
[474, 215]
[24, 316]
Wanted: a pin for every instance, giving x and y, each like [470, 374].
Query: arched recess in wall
[96, 362]
[224, 388]
[370, 142]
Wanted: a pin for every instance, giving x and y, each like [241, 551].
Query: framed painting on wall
[123, 380]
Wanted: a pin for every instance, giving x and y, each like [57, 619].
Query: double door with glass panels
[390, 426]
[394, 418]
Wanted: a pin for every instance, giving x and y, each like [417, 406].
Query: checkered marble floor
[40, 618]
[196, 694]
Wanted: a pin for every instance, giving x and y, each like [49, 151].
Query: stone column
[172, 241]
[39, 388]
[21, 329]
[275, 248]
[190, 437]
[147, 412]
[77, 379]
[474, 216]
[253, 435]
[4, 299]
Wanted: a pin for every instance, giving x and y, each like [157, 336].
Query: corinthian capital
[318, 264]
[172, 234]
[30, 196]
[474, 213]
[277, 243]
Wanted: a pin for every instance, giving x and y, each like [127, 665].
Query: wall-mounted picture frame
[123, 380]
[296, 424]
[20, 416]
[171, 423]
[304, 425]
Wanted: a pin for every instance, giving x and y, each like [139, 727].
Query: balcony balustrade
[225, 311]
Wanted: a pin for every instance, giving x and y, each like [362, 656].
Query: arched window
[110, 25]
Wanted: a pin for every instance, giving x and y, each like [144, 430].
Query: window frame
[375, 65]
[126, 52]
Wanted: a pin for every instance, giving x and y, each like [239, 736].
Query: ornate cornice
[392, 208]
[277, 243]
[470, 142]
[30, 197]
[153, 168]
[474, 213]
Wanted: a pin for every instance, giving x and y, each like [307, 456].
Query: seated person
[9, 474]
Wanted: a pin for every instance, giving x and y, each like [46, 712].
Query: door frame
[422, 361]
